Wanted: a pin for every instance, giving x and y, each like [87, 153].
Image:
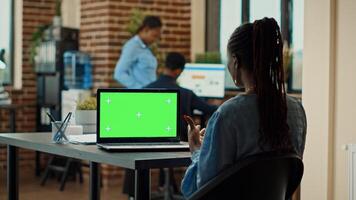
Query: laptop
[138, 119]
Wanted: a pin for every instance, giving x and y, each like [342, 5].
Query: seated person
[262, 119]
[189, 101]
[174, 66]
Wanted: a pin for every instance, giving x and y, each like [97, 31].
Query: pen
[65, 122]
[54, 122]
[51, 117]
[59, 129]
[66, 125]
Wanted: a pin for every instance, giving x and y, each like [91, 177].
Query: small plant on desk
[85, 115]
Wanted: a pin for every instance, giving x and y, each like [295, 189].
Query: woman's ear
[235, 68]
[236, 62]
[238, 70]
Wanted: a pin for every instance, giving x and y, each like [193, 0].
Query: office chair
[267, 176]
[65, 166]
[169, 191]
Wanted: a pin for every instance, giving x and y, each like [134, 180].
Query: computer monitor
[206, 80]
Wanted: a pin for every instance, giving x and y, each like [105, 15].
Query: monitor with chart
[206, 80]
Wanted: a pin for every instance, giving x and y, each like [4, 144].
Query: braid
[269, 76]
[259, 47]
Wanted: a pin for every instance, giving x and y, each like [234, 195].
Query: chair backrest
[267, 176]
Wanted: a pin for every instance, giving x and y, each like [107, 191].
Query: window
[262, 8]
[295, 80]
[230, 18]
[289, 15]
[6, 39]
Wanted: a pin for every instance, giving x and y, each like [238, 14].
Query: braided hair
[258, 47]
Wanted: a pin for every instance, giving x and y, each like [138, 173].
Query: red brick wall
[35, 13]
[103, 33]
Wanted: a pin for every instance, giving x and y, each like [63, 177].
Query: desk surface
[133, 160]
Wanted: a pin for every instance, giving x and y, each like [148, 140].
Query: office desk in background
[12, 109]
[12, 114]
[141, 162]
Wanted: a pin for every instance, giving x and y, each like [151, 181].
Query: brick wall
[35, 13]
[103, 33]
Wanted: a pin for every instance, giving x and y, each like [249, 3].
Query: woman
[254, 122]
[136, 68]
[137, 65]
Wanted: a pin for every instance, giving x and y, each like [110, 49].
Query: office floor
[30, 189]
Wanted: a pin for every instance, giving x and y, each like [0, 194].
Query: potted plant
[212, 57]
[287, 60]
[85, 115]
[36, 40]
[57, 22]
[43, 32]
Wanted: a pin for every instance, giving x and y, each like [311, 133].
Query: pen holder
[58, 132]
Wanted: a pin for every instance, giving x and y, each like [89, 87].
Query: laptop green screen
[138, 114]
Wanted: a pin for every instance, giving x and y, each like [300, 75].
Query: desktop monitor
[205, 80]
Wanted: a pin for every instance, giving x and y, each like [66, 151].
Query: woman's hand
[195, 135]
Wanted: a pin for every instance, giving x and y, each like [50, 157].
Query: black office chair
[170, 189]
[65, 167]
[267, 176]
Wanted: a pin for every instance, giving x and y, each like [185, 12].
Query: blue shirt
[137, 65]
[232, 134]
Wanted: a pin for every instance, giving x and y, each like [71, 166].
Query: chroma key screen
[138, 114]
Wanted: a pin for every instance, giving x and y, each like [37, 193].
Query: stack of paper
[83, 139]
